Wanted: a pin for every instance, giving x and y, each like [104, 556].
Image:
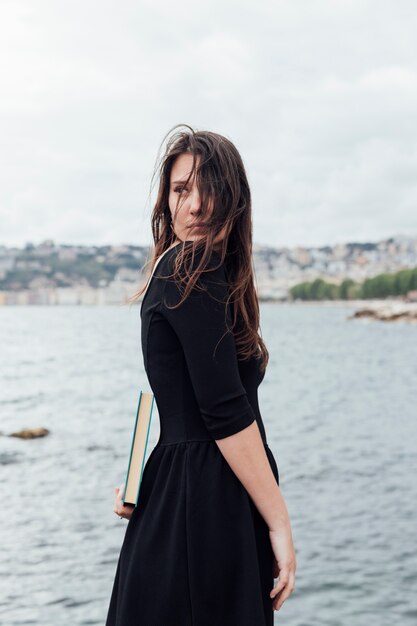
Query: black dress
[196, 551]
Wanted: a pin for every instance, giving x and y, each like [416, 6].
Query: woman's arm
[209, 348]
[245, 453]
[210, 353]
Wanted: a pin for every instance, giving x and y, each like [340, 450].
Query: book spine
[131, 446]
[144, 452]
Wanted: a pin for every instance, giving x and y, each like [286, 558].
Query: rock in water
[388, 312]
[30, 433]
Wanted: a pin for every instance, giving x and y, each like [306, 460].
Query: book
[140, 436]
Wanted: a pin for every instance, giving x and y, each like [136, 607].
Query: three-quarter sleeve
[210, 350]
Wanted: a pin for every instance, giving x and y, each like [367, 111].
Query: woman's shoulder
[211, 283]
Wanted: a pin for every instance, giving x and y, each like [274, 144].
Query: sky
[319, 97]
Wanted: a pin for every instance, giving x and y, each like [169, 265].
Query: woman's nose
[195, 203]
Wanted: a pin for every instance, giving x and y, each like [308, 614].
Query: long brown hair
[223, 187]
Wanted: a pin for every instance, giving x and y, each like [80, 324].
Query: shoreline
[380, 310]
[353, 303]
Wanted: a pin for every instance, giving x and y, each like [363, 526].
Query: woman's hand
[284, 565]
[123, 510]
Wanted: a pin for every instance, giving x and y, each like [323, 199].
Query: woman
[211, 529]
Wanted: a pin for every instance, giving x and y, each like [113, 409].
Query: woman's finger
[284, 593]
[120, 508]
[282, 581]
[118, 505]
[282, 596]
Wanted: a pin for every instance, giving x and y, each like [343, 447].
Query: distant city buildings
[53, 274]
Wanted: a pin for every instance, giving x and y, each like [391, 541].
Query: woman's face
[187, 217]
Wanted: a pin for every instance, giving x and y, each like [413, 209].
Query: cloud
[320, 99]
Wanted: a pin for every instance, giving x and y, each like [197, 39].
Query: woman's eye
[179, 189]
